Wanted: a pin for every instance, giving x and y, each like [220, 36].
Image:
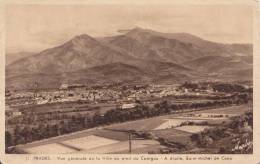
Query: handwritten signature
[243, 146]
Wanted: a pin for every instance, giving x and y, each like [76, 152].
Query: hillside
[220, 64]
[139, 55]
[206, 47]
[169, 49]
[79, 53]
[12, 57]
[104, 74]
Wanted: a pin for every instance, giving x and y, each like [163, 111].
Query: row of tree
[232, 135]
[78, 122]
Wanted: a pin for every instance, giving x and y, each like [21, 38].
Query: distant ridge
[137, 54]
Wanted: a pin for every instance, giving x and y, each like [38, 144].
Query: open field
[53, 148]
[89, 142]
[103, 140]
[138, 125]
[70, 107]
[212, 121]
[171, 99]
[230, 110]
[174, 135]
[170, 133]
[190, 118]
[120, 147]
[167, 121]
[91, 145]
[192, 129]
[114, 135]
[171, 123]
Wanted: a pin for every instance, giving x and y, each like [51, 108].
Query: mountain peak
[83, 39]
[136, 30]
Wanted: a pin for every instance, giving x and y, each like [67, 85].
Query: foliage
[39, 127]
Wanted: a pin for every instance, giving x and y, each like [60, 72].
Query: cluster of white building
[80, 93]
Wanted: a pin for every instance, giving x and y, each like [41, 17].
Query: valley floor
[114, 138]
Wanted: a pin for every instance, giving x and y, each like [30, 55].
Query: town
[41, 114]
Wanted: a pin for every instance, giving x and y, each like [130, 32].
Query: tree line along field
[80, 122]
[170, 139]
[140, 125]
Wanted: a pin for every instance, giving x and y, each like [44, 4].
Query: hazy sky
[37, 27]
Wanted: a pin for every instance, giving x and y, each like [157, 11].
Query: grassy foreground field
[230, 110]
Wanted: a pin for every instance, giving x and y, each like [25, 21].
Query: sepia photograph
[128, 79]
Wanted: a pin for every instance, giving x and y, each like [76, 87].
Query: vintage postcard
[133, 81]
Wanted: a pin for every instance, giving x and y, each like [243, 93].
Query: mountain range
[139, 55]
